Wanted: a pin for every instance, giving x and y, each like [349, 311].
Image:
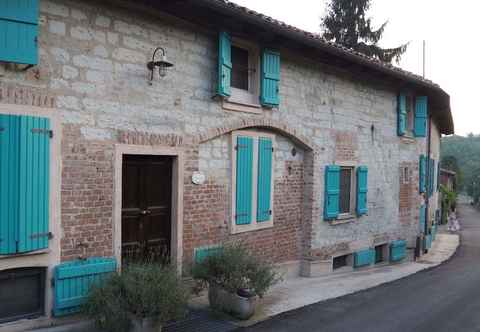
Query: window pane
[239, 68]
[345, 187]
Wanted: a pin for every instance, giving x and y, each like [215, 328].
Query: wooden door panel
[146, 206]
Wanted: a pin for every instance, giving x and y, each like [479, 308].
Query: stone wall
[93, 68]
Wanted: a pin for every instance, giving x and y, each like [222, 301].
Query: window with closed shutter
[253, 178]
[24, 183]
[19, 31]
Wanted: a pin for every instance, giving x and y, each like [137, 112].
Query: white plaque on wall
[198, 178]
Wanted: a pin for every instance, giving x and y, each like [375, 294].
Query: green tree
[346, 24]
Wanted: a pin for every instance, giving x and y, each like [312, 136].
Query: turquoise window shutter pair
[332, 191]
[244, 180]
[19, 31]
[270, 72]
[24, 183]
[420, 120]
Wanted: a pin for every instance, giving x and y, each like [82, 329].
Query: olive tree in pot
[140, 298]
[235, 279]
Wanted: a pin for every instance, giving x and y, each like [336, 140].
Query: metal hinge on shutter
[240, 146]
[43, 131]
[39, 235]
[270, 212]
[52, 282]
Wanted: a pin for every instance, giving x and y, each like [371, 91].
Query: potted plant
[235, 279]
[141, 298]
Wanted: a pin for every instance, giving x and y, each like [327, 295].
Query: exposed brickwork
[346, 146]
[206, 217]
[408, 195]
[25, 95]
[87, 194]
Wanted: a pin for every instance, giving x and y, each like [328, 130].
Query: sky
[451, 30]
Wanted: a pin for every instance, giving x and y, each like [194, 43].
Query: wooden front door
[146, 207]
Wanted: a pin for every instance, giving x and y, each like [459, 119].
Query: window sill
[31, 253]
[236, 229]
[407, 139]
[343, 219]
[232, 105]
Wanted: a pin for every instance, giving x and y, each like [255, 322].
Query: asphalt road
[444, 298]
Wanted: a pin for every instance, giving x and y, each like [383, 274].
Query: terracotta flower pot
[240, 307]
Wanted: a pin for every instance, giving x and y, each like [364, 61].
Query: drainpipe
[427, 182]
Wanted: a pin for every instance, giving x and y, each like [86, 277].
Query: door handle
[145, 212]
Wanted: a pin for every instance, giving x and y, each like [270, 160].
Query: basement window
[340, 261]
[381, 252]
[22, 293]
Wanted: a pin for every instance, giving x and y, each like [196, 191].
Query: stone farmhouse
[318, 158]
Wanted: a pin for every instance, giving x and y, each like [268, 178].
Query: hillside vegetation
[462, 154]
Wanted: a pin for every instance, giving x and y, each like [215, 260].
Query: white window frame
[353, 193]
[242, 100]
[254, 225]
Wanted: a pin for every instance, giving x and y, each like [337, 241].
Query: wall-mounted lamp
[162, 64]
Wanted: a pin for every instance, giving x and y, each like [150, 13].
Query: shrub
[140, 291]
[449, 200]
[236, 270]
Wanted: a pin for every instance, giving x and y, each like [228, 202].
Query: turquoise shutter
[244, 180]
[402, 115]
[364, 257]
[72, 282]
[264, 181]
[34, 183]
[9, 129]
[362, 189]
[421, 112]
[431, 178]
[398, 250]
[19, 31]
[422, 218]
[332, 192]
[224, 64]
[270, 78]
[422, 173]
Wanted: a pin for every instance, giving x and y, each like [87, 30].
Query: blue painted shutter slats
[72, 282]
[332, 192]
[362, 189]
[270, 78]
[422, 167]
[421, 112]
[422, 218]
[264, 182]
[19, 31]
[224, 64]
[431, 177]
[244, 180]
[34, 183]
[9, 158]
[402, 115]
